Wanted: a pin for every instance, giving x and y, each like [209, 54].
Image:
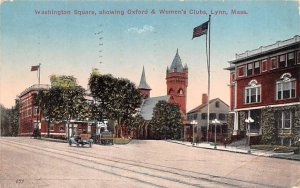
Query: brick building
[29, 113]
[30, 118]
[177, 82]
[266, 77]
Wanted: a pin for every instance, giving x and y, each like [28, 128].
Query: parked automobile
[82, 139]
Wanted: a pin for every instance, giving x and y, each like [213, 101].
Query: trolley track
[168, 174]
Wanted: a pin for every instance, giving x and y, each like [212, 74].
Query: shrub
[275, 148]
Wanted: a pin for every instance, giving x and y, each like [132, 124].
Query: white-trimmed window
[285, 120]
[286, 87]
[264, 65]
[51, 127]
[290, 59]
[252, 92]
[298, 57]
[257, 67]
[282, 61]
[241, 71]
[249, 69]
[274, 64]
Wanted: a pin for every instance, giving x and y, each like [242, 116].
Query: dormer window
[252, 92]
[217, 104]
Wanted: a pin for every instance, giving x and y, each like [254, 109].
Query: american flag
[35, 68]
[200, 30]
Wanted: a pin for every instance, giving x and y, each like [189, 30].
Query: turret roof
[143, 84]
[176, 65]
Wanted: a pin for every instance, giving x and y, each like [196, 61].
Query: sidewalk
[242, 149]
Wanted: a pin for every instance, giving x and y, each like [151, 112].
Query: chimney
[204, 98]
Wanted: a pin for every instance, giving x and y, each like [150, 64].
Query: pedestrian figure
[225, 142]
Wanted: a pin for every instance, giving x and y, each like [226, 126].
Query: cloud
[144, 29]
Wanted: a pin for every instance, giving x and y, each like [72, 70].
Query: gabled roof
[176, 64]
[149, 104]
[198, 108]
[143, 83]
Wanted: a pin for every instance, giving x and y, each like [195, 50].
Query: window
[232, 76]
[252, 92]
[241, 71]
[291, 59]
[286, 87]
[249, 69]
[51, 127]
[180, 92]
[171, 91]
[282, 61]
[298, 57]
[285, 120]
[204, 116]
[264, 65]
[62, 128]
[217, 104]
[221, 116]
[274, 63]
[195, 116]
[212, 116]
[256, 67]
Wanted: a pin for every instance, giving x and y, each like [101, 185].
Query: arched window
[286, 87]
[180, 92]
[252, 92]
[171, 91]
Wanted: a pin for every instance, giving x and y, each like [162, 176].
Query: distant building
[218, 110]
[267, 77]
[30, 117]
[177, 82]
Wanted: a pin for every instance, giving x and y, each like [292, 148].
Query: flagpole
[39, 73]
[208, 80]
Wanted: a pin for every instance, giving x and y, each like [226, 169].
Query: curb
[246, 152]
[53, 140]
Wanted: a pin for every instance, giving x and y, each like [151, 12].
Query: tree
[133, 123]
[63, 101]
[118, 98]
[269, 128]
[9, 120]
[166, 122]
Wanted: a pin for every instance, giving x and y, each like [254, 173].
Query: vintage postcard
[149, 93]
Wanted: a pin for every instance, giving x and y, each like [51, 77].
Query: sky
[73, 44]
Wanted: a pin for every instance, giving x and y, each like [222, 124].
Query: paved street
[27, 162]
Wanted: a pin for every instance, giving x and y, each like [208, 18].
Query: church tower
[177, 82]
[143, 87]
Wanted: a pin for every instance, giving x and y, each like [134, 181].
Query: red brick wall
[177, 81]
[268, 87]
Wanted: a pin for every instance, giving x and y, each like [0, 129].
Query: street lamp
[194, 122]
[215, 121]
[248, 121]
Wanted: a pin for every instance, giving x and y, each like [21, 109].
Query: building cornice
[272, 106]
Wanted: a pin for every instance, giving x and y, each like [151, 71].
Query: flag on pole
[35, 68]
[200, 30]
